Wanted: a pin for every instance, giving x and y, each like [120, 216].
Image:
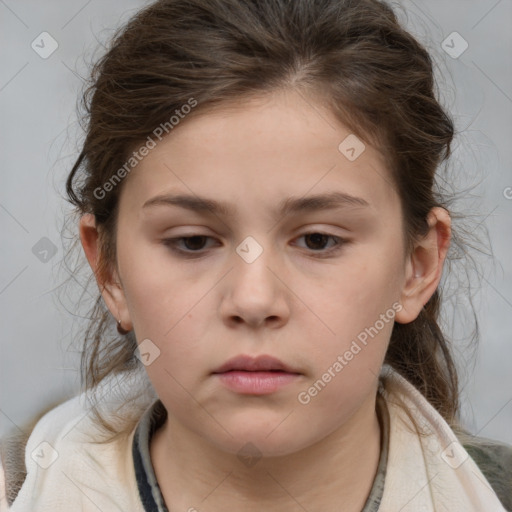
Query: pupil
[317, 238]
[196, 239]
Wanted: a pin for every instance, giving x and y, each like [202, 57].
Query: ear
[108, 281]
[424, 266]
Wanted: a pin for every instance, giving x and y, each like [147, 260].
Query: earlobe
[425, 265]
[108, 282]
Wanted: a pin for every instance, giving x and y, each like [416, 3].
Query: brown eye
[187, 245]
[322, 245]
[194, 243]
[317, 240]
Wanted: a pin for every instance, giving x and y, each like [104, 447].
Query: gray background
[40, 140]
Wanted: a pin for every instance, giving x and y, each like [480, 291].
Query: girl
[292, 360]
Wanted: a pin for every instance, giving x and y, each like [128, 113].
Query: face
[302, 290]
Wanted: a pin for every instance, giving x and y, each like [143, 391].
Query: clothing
[149, 489]
[427, 473]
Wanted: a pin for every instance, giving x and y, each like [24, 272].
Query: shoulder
[494, 459]
[76, 451]
[13, 449]
[486, 459]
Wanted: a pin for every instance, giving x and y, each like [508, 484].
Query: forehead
[271, 147]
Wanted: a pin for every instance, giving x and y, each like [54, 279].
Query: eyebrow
[289, 206]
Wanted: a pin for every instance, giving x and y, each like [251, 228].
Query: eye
[193, 244]
[316, 241]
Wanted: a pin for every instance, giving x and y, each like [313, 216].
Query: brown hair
[354, 56]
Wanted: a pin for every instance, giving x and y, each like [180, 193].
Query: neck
[194, 474]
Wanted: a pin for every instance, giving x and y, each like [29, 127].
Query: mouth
[255, 375]
[263, 363]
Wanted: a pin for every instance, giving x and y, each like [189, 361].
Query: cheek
[347, 361]
[157, 293]
[355, 314]
[168, 311]
[181, 363]
[354, 295]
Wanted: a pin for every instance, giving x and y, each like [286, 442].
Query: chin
[258, 439]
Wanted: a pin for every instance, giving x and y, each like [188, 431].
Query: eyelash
[172, 243]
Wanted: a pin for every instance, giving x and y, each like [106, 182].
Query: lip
[262, 363]
[259, 375]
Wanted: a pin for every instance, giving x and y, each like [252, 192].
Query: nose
[255, 293]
